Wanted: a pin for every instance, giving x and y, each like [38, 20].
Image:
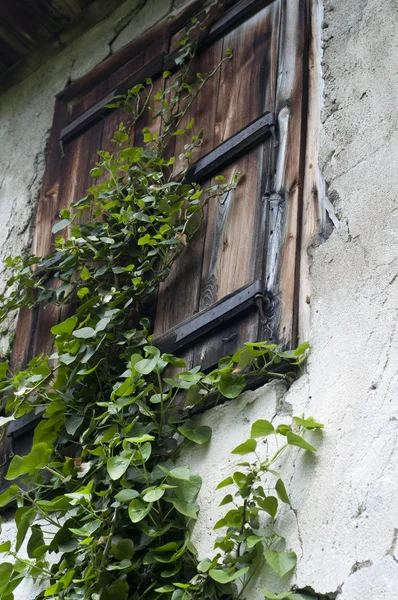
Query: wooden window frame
[278, 297]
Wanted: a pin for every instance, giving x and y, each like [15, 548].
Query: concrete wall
[344, 518]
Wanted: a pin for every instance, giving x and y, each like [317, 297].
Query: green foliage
[249, 528]
[101, 487]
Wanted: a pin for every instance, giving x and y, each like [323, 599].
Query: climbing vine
[103, 502]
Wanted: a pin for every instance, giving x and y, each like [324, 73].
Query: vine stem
[109, 540]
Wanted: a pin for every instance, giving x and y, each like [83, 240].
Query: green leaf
[31, 463]
[199, 435]
[138, 511]
[308, 423]
[118, 465]
[187, 490]
[83, 292]
[96, 172]
[261, 428]
[66, 327]
[84, 274]
[280, 562]
[141, 439]
[61, 225]
[296, 440]
[24, 516]
[226, 500]
[224, 577]
[118, 590]
[5, 546]
[248, 446]
[5, 572]
[147, 365]
[154, 494]
[8, 495]
[185, 508]
[281, 491]
[252, 540]
[269, 504]
[126, 495]
[225, 482]
[178, 472]
[204, 565]
[84, 333]
[73, 423]
[231, 387]
[124, 549]
[36, 540]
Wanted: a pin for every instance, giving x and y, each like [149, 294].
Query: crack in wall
[5, 173]
[357, 566]
[123, 23]
[392, 548]
[311, 593]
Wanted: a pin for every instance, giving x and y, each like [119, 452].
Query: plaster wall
[343, 523]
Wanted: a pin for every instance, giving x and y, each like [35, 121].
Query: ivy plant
[102, 501]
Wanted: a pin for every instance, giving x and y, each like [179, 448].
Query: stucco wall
[344, 520]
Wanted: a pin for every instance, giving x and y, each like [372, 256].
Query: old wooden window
[238, 278]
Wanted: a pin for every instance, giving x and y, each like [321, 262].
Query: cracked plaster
[344, 517]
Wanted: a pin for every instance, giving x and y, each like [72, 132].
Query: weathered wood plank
[238, 144]
[291, 108]
[185, 275]
[99, 110]
[178, 295]
[189, 331]
[231, 244]
[247, 87]
[227, 339]
[203, 109]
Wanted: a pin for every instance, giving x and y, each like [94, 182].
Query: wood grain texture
[231, 232]
[232, 238]
[291, 107]
[247, 84]
[203, 110]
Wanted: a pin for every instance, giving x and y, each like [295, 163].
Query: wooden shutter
[237, 280]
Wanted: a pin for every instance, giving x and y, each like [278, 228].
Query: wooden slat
[228, 21]
[185, 275]
[247, 86]
[98, 111]
[208, 319]
[238, 144]
[203, 110]
[291, 108]
[231, 244]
